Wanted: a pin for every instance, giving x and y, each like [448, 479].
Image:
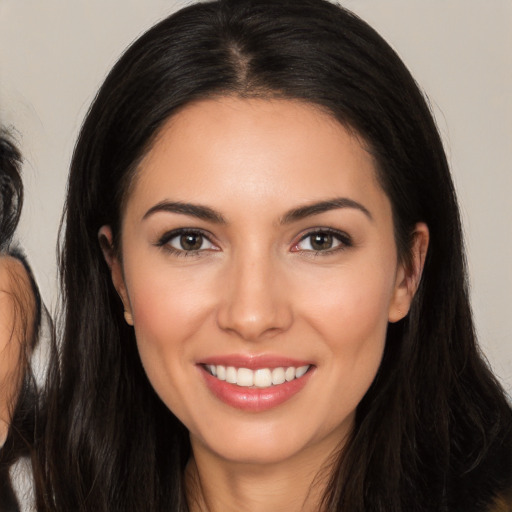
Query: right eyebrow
[323, 206]
[190, 209]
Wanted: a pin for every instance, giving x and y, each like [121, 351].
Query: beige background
[55, 53]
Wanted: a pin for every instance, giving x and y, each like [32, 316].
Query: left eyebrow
[189, 209]
[323, 206]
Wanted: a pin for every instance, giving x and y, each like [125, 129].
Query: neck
[215, 485]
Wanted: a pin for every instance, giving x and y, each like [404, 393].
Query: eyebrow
[294, 215]
[321, 207]
[193, 210]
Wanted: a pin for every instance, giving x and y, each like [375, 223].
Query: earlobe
[105, 240]
[409, 274]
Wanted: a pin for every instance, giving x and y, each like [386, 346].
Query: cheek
[165, 302]
[350, 313]
[355, 326]
[351, 318]
[167, 310]
[350, 304]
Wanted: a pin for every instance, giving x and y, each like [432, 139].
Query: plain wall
[55, 53]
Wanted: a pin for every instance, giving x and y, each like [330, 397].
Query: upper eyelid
[169, 235]
[331, 231]
[173, 233]
[345, 241]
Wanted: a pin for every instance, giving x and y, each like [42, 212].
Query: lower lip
[254, 399]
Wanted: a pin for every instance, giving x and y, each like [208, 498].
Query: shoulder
[481, 467]
[493, 477]
[502, 502]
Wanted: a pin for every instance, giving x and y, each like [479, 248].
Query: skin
[257, 287]
[17, 309]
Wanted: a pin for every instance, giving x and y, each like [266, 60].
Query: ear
[105, 239]
[408, 274]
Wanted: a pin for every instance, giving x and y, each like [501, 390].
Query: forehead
[262, 152]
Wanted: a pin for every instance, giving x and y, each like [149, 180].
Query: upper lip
[253, 362]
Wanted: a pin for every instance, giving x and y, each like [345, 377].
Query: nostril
[253, 325]
[252, 303]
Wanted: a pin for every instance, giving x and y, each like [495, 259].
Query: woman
[276, 314]
[20, 313]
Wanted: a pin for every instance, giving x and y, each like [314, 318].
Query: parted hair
[433, 432]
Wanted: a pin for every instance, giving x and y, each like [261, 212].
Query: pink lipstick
[255, 383]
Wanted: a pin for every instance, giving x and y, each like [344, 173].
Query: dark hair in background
[21, 435]
[433, 433]
[11, 190]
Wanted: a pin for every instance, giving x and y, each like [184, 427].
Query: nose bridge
[254, 304]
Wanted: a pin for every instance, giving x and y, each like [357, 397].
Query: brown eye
[321, 241]
[191, 241]
[184, 241]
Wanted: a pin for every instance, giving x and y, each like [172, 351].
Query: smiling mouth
[259, 378]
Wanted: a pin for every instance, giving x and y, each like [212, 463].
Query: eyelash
[344, 242]
[163, 242]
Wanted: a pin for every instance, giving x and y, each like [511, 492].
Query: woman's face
[260, 269]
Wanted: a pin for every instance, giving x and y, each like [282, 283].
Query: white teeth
[263, 378]
[260, 378]
[289, 374]
[231, 374]
[301, 371]
[278, 376]
[245, 377]
[221, 372]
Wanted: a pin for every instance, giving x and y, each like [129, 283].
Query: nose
[255, 303]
